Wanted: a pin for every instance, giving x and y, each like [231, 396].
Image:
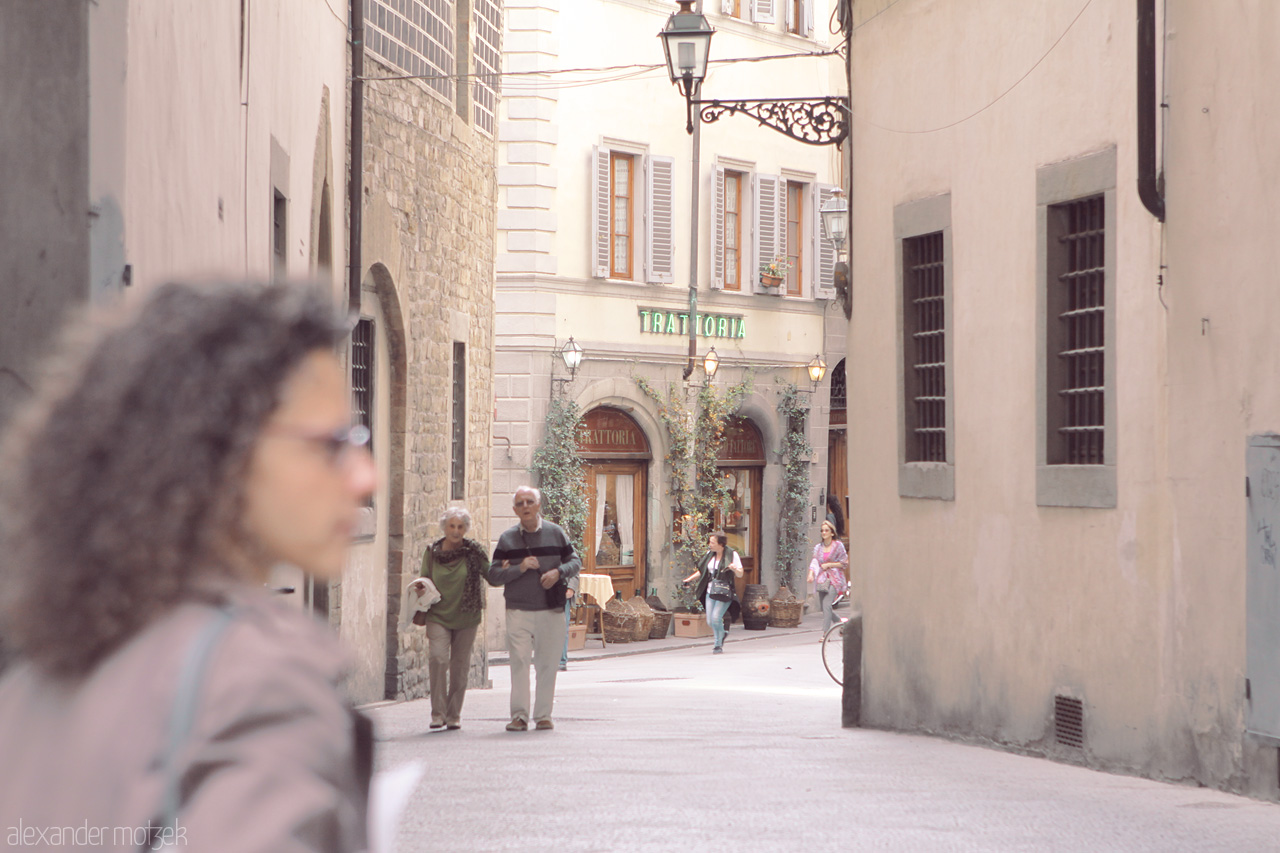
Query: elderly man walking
[533, 561]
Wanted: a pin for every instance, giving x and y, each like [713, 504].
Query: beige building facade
[595, 224]
[1051, 391]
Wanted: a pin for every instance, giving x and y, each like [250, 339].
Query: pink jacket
[270, 761]
[834, 577]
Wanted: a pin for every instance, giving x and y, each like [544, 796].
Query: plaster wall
[982, 609]
[44, 169]
[979, 610]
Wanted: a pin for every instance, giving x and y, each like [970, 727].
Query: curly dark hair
[123, 477]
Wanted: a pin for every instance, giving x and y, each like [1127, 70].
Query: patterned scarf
[477, 563]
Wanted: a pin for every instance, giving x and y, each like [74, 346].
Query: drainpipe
[693, 241]
[1148, 185]
[355, 181]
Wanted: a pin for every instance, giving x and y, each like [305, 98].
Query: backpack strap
[185, 703]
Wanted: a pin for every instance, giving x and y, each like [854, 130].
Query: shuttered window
[633, 225]
[795, 238]
[824, 252]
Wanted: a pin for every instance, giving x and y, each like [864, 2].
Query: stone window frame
[926, 480]
[1088, 486]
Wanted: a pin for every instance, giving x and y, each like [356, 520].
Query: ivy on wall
[694, 439]
[561, 473]
[793, 491]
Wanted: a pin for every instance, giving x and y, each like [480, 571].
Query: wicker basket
[644, 614]
[661, 618]
[786, 610]
[620, 622]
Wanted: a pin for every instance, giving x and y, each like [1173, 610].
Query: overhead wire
[995, 100]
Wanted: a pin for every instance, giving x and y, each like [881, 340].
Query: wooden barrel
[755, 607]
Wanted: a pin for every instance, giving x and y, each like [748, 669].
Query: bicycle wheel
[833, 652]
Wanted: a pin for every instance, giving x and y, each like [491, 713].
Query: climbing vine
[694, 439]
[562, 476]
[793, 491]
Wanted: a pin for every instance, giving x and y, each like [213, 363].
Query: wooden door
[740, 520]
[616, 524]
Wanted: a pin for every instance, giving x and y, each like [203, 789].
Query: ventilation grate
[1068, 721]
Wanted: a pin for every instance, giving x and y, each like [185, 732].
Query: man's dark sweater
[550, 545]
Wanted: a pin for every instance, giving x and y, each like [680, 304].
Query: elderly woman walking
[173, 456]
[456, 565]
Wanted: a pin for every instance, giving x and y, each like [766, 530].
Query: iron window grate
[923, 279]
[362, 376]
[1080, 344]
[458, 468]
[1068, 721]
[416, 37]
[839, 388]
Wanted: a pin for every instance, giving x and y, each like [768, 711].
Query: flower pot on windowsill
[770, 281]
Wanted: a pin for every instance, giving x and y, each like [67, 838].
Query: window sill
[1085, 486]
[928, 480]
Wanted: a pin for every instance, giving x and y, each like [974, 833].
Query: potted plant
[773, 271]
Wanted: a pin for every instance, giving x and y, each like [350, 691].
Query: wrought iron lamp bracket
[815, 121]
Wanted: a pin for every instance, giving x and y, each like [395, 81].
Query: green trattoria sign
[658, 322]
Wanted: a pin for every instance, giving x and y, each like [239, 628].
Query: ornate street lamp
[687, 41]
[711, 363]
[835, 226]
[835, 219]
[571, 352]
[817, 369]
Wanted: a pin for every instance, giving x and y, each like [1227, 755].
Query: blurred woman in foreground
[172, 457]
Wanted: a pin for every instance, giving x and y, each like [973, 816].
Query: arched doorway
[617, 455]
[741, 464]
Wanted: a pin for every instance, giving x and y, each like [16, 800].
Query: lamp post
[687, 41]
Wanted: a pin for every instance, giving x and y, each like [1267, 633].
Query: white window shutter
[767, 209]
[824, 253]
[762, 11]
[600, 212]
[807, 32]
[717, 233]
[791, 15]
[661, 222]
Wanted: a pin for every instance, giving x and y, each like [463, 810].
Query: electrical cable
[994, 101]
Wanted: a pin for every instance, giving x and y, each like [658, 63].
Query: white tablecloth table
[600, 587]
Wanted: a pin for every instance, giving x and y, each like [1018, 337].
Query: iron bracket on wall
[814, 121]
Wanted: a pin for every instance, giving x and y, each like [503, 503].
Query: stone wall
[430, 195]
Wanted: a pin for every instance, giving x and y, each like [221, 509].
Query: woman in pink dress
[827, 568]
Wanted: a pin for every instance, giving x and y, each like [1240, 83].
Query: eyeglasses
[526, 502]
[335, 445]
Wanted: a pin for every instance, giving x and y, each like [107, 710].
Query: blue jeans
[715, 618]
[564, 653]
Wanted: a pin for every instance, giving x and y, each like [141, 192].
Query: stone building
[425, 335]
[595, 231]
[211, 139]
[1080, 564]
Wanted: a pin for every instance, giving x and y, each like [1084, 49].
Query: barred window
[488, 59]
[458, 468]
[1077, 332]
[926, 355]
[415, 37]
[362, 376]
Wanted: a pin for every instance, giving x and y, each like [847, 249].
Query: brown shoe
[517, 725]
[545, 725]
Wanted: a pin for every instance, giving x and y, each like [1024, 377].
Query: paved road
[686, 751]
